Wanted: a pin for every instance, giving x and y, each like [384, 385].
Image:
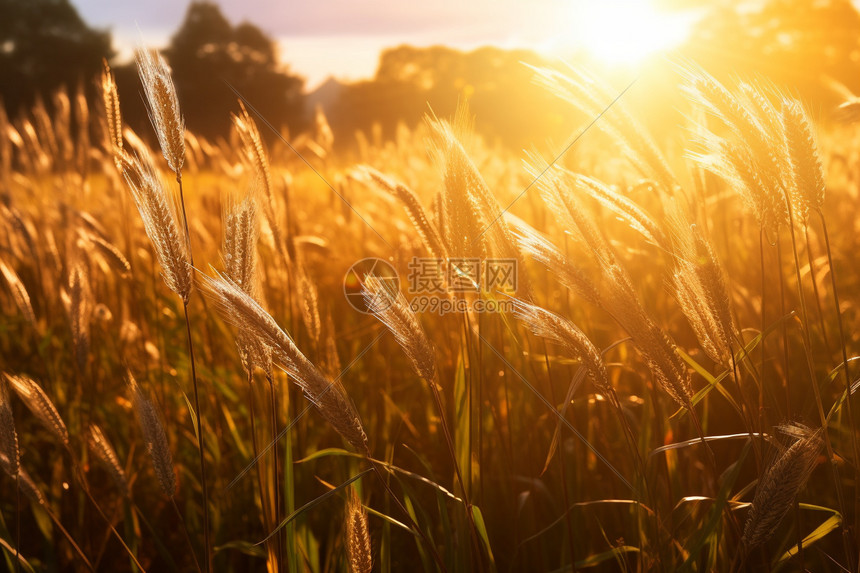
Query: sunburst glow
[624, 31]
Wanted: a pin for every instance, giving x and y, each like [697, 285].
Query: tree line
[44, 44]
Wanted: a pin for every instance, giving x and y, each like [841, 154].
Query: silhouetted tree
[207, 53]
[44, 44]
[410, 81]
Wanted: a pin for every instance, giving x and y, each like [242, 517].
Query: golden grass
[671, 281]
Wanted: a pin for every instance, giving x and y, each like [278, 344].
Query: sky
[343, 38]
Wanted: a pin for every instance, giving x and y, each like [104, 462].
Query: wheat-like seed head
[712, 279]
[461, 212]
[705, 90]
[46, 129]
[37, 401]
[426, 229]
[331, 361]
[780, 484]
[19, 292]
[753, 164]
[104, 452]
[659, 350]
[107, 252]
[736, 164]
[393, 310]
[80, 311]
[572, 277]
[621, 206]
[163, 107]
[806, 179]
[154, 437]
[615, 294]
[161, 222]
[241, 231]
[110, 97]
[358, 547]
[700, 287]
[25, 482]
[757, 101]
[567, 209]
[309, 301]
[8, 435]
[558, 329]
[241, 310]
[474, 225]
[254, 156]
[592, 96]
[23, 229]
[240, 241]
[80, 147]
[253, 150]
[324, 136]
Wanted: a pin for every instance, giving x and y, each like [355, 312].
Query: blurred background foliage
[809, 47]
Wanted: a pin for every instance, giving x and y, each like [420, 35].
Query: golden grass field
[665, 389]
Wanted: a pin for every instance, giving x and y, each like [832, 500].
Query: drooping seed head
[163, 107]
[154, 436]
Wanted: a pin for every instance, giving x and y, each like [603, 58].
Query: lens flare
[625, 31]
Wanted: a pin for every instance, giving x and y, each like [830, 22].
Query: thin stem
[436, 557]
[815, 287]
[69, 538]
[82, 480]
[567, 516]
[747, 414]
[184, 218]
[274, 413]
[450, 442]
[206, 545]
[265, 507]
[785, 352]
[851, 421]
[831, 458]
[17, 519]
[763, 326]
[185, 531]
[798, 526]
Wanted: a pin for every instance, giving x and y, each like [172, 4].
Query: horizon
[347, 48]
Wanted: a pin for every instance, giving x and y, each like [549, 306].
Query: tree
[208, 55]
[410, 81]
[44, 44]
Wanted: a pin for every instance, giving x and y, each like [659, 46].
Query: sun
[624, 31]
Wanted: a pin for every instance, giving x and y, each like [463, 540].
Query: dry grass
[694, 289]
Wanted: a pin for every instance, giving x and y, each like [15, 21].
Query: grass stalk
[786, 380]
[185, 533]
[277, 467]
[846, 536]
[206, 540]
[449, 441]
[267, 520]
[855, 443]
[17, 520]
[763, 327]
[185, 218]
[812, 273]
